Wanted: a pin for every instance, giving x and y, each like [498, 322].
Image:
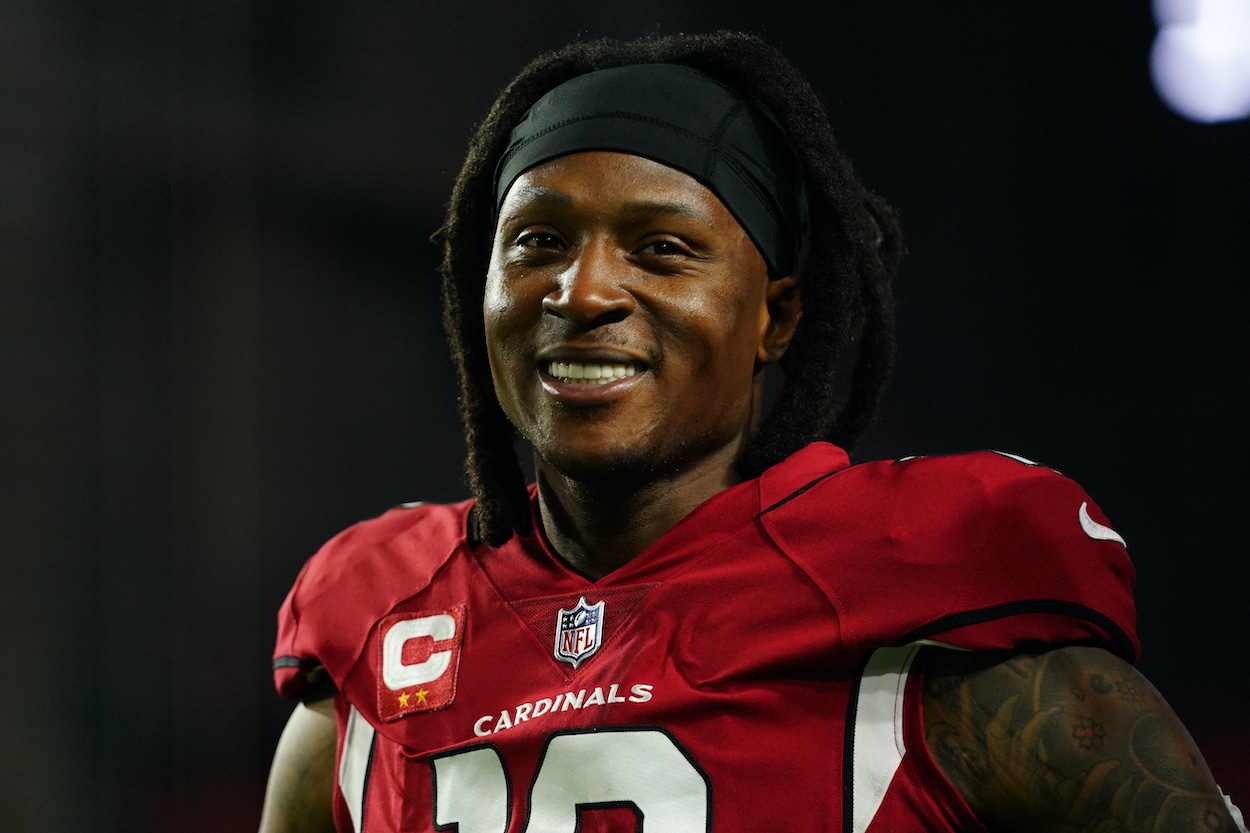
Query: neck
[599, 527]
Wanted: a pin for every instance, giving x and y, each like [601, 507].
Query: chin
[622, 467]
[599, 466]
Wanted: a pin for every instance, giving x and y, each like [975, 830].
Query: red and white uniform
[748, 671]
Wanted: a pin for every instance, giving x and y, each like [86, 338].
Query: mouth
[589, 373]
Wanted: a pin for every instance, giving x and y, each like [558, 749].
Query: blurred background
[220, 339]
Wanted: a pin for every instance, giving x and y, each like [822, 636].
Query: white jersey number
[646, 769]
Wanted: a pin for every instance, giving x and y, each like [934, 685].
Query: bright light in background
[1201, 58]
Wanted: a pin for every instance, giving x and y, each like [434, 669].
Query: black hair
[846, 282]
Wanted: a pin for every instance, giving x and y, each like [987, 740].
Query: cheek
[511, 302]
[494, 302]
[728, 334]
[502, 310]
[498, 313]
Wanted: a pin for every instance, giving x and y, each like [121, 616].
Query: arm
[301, 780]
[1071, 740]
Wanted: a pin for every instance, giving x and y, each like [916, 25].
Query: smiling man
[627, 313]
[698, 619]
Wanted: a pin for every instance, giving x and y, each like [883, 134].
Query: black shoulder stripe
[1124, 645]
[317, 682]
[798, 492]
[294, 662]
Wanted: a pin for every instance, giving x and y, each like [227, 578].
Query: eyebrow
[643, 209]
[530, 195]
[646, 209]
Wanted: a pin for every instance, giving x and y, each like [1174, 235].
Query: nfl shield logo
[579, 632]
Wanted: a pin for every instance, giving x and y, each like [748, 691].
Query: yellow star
[403, 701]
[421, 695]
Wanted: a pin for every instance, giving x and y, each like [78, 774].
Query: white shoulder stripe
[1015, 457]
[878, 739]
[354, 765]
[1236, 813]
[1095, 530]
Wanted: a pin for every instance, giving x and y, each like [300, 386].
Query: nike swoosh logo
[1095, 530]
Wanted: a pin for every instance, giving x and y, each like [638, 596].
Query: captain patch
[418, 657]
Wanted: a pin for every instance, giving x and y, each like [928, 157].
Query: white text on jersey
[489, 724]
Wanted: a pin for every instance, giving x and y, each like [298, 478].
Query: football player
[698, 618]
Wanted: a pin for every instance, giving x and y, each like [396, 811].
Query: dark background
[219, 336]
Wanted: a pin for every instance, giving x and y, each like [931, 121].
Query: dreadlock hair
[846, 281]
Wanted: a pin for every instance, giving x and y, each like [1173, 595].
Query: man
[698, 620]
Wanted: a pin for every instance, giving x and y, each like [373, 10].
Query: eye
[665, 247]
[539, 240]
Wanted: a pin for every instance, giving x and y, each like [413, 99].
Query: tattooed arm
[1071, 740]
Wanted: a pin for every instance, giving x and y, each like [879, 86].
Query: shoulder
[937, 546]
[820, 472]
[975, 480]
[403, 547]
[950, 496]
[356, 579]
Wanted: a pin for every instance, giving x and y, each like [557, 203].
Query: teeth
[590, 374]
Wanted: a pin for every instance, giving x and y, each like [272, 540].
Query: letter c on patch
[395, 674]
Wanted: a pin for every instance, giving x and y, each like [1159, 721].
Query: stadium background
[220, 343]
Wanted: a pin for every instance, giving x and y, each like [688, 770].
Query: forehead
[609, 180]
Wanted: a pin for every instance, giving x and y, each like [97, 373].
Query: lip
[569, 393]
[589, 355]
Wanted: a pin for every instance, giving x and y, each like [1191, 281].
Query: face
[627, 313]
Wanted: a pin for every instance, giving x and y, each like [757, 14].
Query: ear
[779, 319]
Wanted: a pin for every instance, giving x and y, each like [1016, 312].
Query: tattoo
[1089, 733]
[1099, 684]
[1074, 739]
[1129, 691]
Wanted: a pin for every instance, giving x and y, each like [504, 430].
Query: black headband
[679, 117]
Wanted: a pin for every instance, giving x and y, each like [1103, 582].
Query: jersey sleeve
[978, 551]
[298, 672]
[351, 583]
[1050, 571]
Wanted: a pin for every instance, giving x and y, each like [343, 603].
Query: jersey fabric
[749, 670]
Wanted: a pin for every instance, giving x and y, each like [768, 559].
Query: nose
[592, 290]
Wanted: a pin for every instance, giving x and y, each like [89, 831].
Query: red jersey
[749, 670]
